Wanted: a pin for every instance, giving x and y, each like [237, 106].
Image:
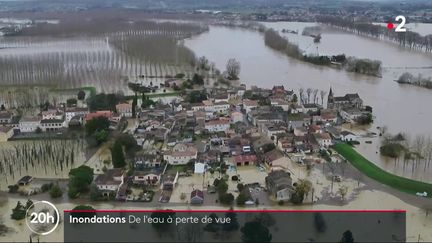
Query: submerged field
[51, 158]
[103, 53]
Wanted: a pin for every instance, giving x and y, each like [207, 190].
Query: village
[231, 145]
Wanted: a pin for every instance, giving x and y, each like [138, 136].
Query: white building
[237, 116]
[221, 107]
[323, 139]
[146, 178]
[29, 124]
[283, 104]
[220, 125]
[350, 114]
[248, 105]
[52, 114]
[75, 111]
[124, 109]
[110, 182]
[348, 136]
[52, 124]
[181, 154]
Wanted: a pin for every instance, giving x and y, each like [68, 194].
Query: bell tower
[330, 99]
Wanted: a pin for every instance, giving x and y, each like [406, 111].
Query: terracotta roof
[248, 102]
[244, 158]
[92, 115]
[123, 106]
[217, 122]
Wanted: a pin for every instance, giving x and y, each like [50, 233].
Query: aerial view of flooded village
[314, 105]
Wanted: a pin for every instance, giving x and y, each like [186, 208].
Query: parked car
[422, 194]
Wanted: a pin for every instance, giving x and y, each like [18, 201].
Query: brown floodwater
[401, 108]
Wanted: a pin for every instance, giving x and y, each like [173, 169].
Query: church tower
[330, 99]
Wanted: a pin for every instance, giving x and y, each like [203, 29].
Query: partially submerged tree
[233, 69]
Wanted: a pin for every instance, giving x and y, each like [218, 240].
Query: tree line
[275, 41]
[419, 80]
[407, 39]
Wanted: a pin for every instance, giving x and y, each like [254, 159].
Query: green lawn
[378, 174]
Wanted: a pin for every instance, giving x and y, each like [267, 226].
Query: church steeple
[330, 99]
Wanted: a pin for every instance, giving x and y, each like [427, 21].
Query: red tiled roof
[244, 158]
[92, 115]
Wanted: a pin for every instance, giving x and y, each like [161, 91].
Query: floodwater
[401, 108]
[421, 28]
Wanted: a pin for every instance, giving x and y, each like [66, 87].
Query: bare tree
[419, 146]
[428, 151]
[315, 95]
[203, 63]
[233, 68]
[342, 191]
[308, 92]
[322, 94]
[301, 93]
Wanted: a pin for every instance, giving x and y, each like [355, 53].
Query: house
[314, 129]
[220, 125]
[241, 160]
[52, 124]
[169, 181]
[71, 112]
[350, 114]
[271, 156]
[221, 107]
[248, 105]
[300, 131]
[25, 180]
[197, 197]
[348, 136]
[324, 139]
[261, 143]
[279, 102]
[199, 168]
[279, 91]
[173, 82]
[110, 182]
[181, 154]
[347, 101]
[6, 133]
[96, 114]
[221, 96]
[149, 177]
[266, 115]
[310, 108]
[285, 144]
[272, 129]
[124, 109]
[329, 116]
[52, 114]
[279, 184]
[29, 124]
[5, 117]
[282, 163]
[298, 120]
[236, 116]
[147, 160]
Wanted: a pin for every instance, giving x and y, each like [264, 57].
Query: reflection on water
[401, 108]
